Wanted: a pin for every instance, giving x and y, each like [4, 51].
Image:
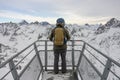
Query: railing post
[106, 70]
[37, 54]
[0, 48]
[82, 52]
[13, 70]
[73, 63]
[46, 55]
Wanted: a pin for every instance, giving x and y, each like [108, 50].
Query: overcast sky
[73, 11]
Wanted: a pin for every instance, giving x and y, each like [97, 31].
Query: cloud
[78, 7]
[78, 11]
[69, 19]
[15, 15]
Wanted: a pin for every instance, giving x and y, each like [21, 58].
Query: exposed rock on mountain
[111, 23]
[7, 29]
[44, 23]
[24, 22]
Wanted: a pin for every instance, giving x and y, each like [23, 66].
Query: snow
[107, 42]
[48, 75]
[33, 70]
[5, 70]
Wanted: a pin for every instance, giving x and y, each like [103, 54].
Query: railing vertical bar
[37, 54]
[80, 75]
[0, 48]
[46, 55]
[13, 70]
[73, 64]
[80, 58]
[82, 52]
[40, 74]
[106, 70]
[39, 59]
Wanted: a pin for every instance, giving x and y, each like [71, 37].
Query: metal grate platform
[50, 75]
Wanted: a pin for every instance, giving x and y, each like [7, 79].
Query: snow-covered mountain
[23, 22]
[7, 29]
[44, 23]
[16, 36]
[108, 39]
[13, 34]
[108, 42]
[111, 23]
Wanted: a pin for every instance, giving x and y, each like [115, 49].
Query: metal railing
[40, 55]
[47, 54]
[94, 65]
[26, 65]
[86, 61]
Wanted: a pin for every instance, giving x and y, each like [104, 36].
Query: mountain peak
[23, 22]
[44, 23]
[111, 22]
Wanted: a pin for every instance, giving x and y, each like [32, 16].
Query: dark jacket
[67, 37]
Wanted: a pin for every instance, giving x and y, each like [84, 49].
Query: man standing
[59, 36]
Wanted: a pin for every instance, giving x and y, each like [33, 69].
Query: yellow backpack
[59, 37]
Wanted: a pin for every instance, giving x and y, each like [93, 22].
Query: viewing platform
[84, 62]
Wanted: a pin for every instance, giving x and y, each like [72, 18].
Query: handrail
[12, 66]
[26, 66]
[107, 66]
[118, 64]
[103, 75]
[4, 63]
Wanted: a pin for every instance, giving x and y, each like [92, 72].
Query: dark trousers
[62, 53]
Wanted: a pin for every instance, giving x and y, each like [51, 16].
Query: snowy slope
[107, 42]
[18, 36]
[15, 37]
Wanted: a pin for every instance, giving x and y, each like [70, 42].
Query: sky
[73, 11]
